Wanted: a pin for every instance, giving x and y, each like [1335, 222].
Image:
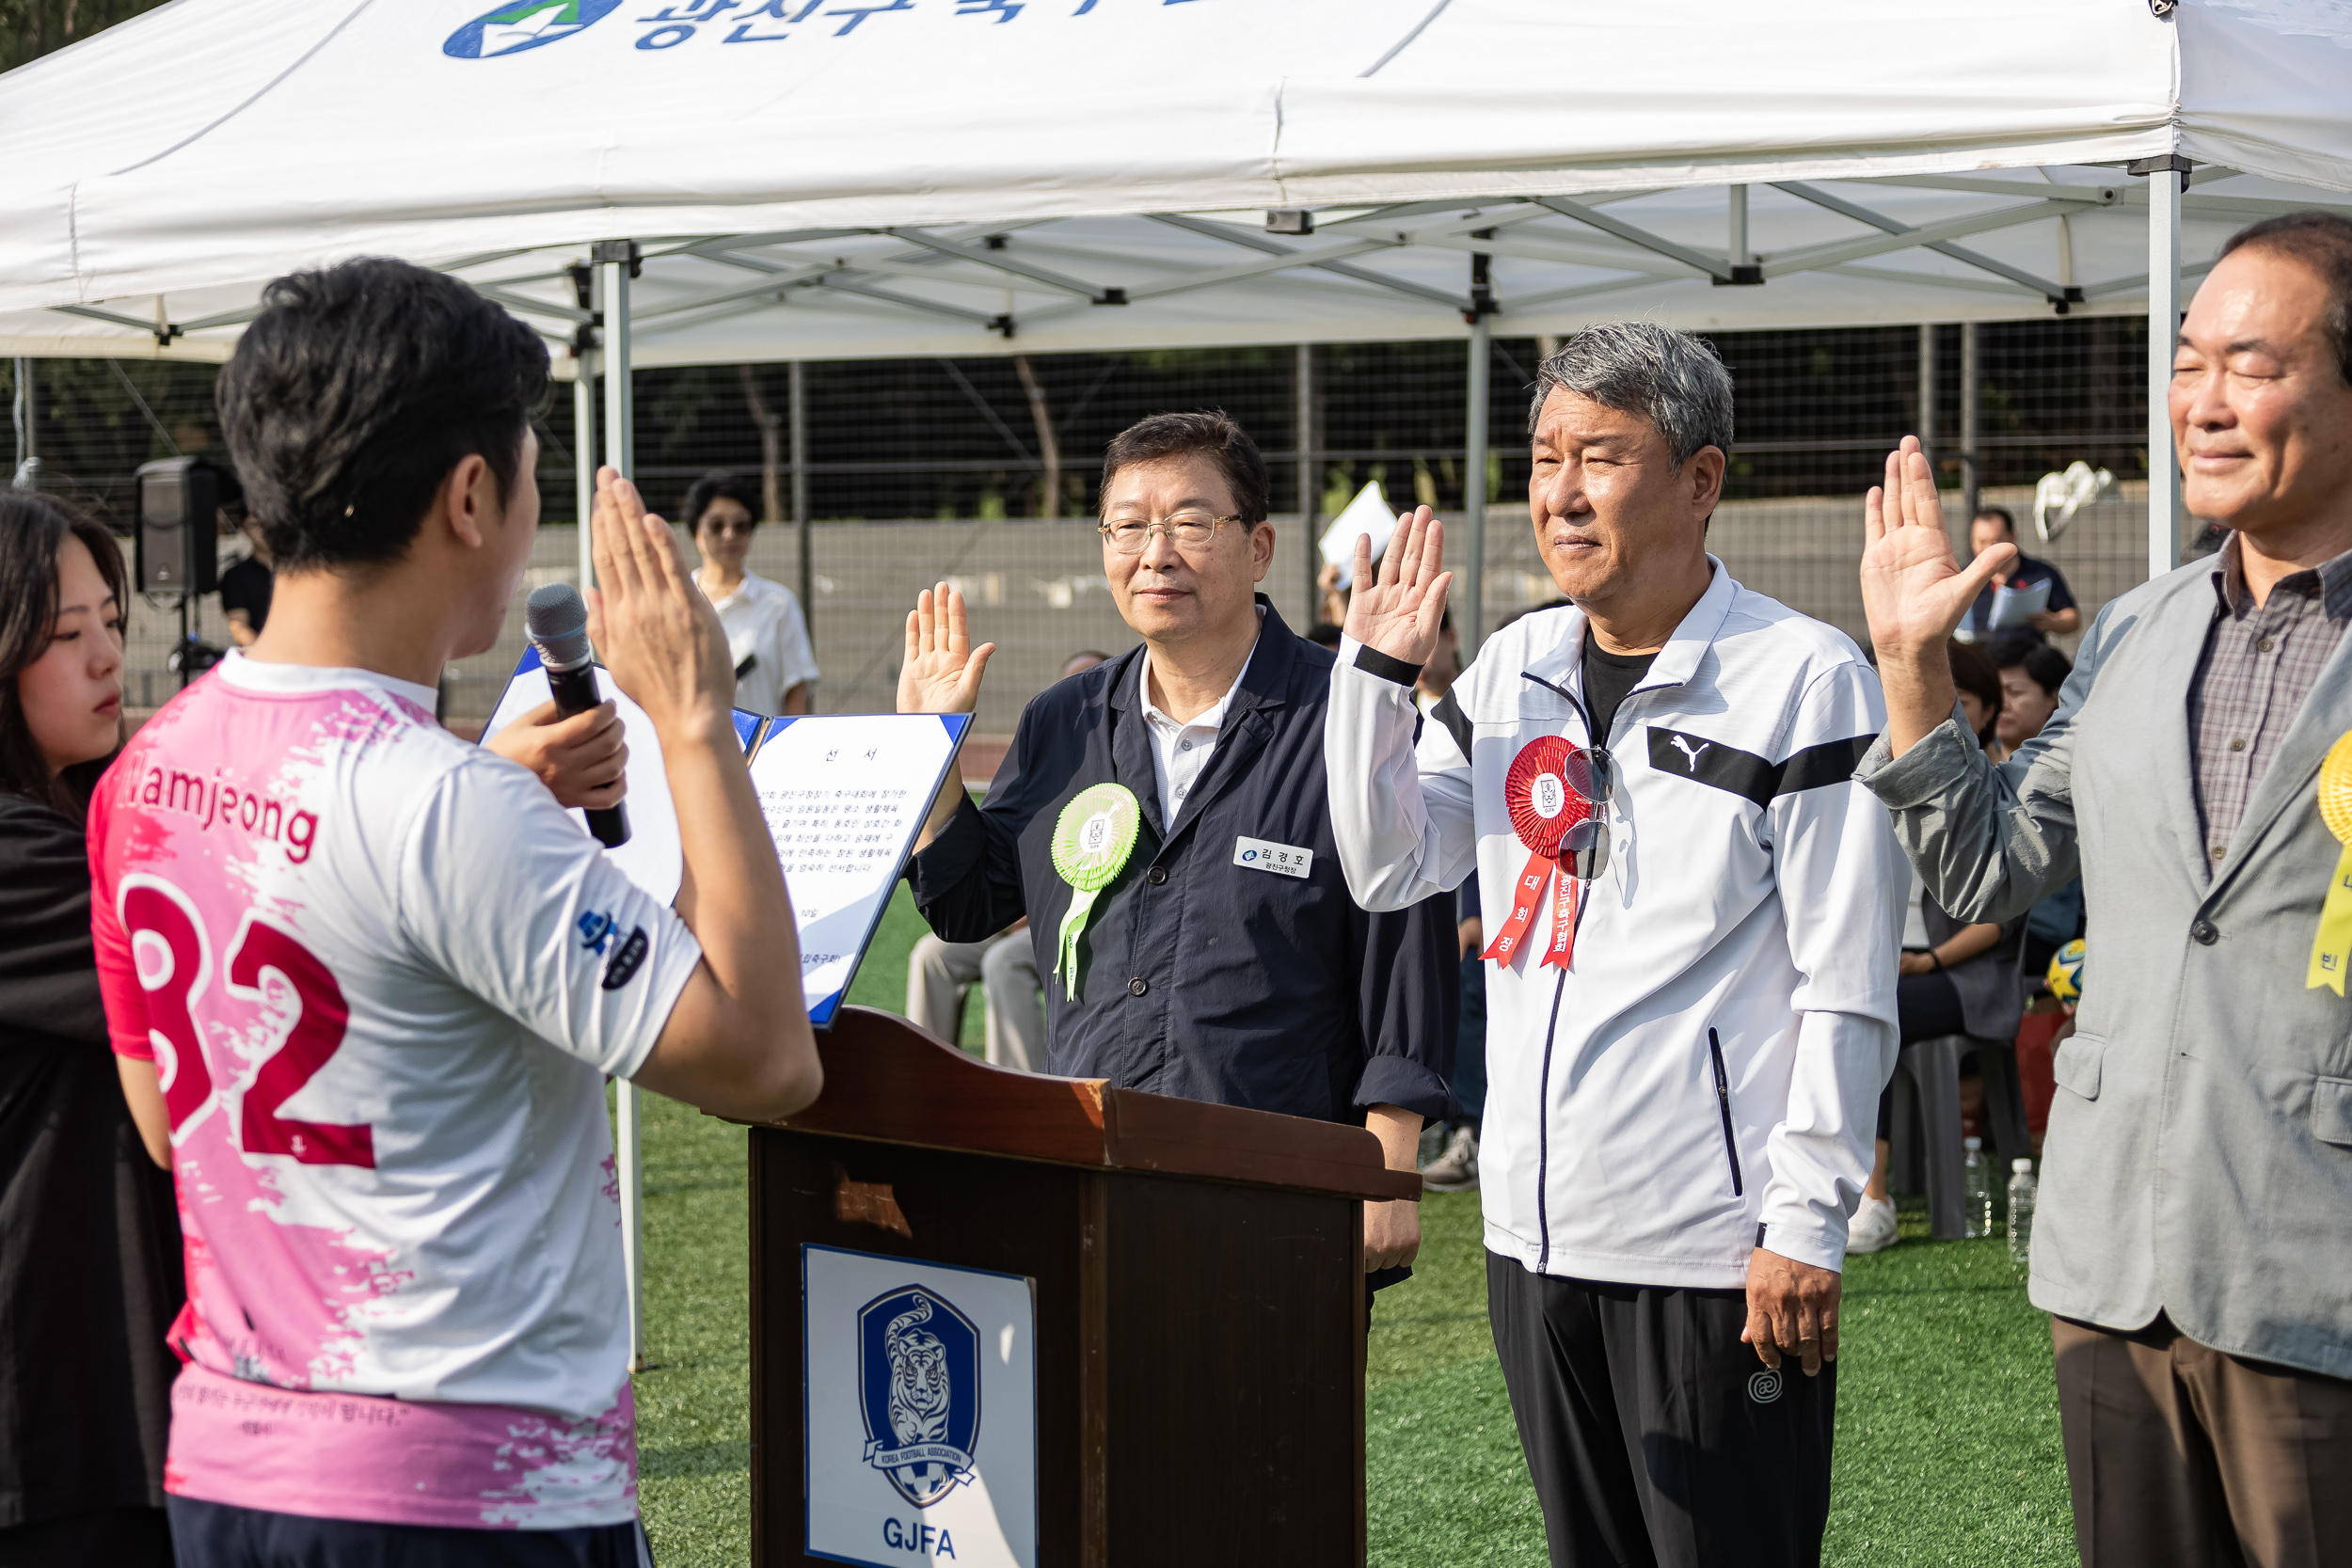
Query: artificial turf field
[1947, 1437]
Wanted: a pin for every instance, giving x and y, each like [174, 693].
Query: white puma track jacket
[1702, 1079]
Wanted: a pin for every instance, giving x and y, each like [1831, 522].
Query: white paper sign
[920, 1414]
[844, 796]
[2017, 606]
[1367, 513]
[652, 858]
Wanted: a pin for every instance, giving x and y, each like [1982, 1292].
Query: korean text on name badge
[1283, 860]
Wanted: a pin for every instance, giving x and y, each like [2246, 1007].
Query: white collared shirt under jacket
[1743, 932]
[1182, 748]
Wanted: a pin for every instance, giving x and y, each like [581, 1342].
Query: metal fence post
[616, 261]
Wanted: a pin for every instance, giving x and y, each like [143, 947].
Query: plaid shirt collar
[2330, 581]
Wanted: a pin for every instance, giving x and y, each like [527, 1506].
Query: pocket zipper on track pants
[1723, 1102]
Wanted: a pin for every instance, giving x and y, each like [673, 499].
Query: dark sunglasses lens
[1590, 857]
[1587, 775]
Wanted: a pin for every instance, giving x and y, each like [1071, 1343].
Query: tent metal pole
[584, 460]
[1927, 392]
[27, 433]
[1472, 562]
[1739, 235]
[1303, 384]
[2164, 331]
[1969, 480]
[615, 258]
[796, 420]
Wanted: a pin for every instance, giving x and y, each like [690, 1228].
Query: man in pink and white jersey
[365, 981]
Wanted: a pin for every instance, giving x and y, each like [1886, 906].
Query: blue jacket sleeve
[967, 883]
[1409, 995]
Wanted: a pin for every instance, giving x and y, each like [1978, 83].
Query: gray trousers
[938, 973]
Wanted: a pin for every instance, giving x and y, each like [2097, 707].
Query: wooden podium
[1197, 1274]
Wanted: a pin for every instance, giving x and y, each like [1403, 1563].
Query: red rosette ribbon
[1549, 791]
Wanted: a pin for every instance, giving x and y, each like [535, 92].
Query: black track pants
[1653, 1435]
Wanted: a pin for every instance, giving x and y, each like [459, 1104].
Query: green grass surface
[1947, 1439]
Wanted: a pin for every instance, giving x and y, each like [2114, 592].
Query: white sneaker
[1457, 1169]
[1872, 1227]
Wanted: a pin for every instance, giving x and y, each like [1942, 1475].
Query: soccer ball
[2066, 972]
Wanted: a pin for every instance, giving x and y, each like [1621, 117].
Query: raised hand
[1914, 591]
[1399, 610]
[942, 670]
[654, 629]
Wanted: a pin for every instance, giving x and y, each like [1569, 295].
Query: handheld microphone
[555, 618]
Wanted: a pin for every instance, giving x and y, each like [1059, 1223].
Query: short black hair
[2008, 518]
[1211, 432]
[2322, 242]
[1972, 672]
[717, 484]
[1325, 635]
[353, 394]
[2044, 665]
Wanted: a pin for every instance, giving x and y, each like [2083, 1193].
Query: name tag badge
[1280, 858]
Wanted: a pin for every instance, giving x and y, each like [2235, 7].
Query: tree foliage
[31, 28]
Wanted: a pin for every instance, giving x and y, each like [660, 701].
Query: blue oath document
[844, 796]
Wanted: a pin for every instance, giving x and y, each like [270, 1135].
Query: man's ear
[1261, 550]
[1708, 466]
[468, 500]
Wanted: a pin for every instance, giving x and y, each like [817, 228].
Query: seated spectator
[775, 670]
[1979, 685]
[2032, 675]
[1962, 982]
[90, 1241]
[1005, 967]
[940, 973]
[1996, 525]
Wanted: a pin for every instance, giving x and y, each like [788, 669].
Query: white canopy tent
[824, 179]
[805, 178]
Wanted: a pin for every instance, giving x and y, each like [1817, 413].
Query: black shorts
[221, 1535]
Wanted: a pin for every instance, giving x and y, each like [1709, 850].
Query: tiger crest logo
[920, 1379]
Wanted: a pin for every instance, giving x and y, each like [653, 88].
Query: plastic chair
[1927, 1095]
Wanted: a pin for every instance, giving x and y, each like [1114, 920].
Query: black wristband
[1937, 958]
[1371, 662]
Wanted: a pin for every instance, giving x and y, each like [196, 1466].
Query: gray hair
[1672, 379]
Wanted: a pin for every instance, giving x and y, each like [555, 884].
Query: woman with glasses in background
[775, 670]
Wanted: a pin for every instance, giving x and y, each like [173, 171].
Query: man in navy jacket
[1224, 960]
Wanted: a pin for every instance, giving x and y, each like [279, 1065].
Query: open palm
[1400, 609]
[1914, 591]
[941, 673]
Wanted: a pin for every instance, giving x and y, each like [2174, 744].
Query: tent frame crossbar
[2056, 294]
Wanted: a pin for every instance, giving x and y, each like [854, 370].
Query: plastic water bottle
[1975, 1191]
[2020, 1195]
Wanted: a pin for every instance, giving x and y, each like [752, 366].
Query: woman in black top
[89, 1239]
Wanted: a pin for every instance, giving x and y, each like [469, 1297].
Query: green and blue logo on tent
[523, 25]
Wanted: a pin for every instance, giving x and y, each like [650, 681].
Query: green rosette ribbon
[1092, 839]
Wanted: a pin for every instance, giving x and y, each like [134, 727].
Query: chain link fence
[983, 470]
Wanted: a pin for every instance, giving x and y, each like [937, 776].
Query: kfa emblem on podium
[919, 1386]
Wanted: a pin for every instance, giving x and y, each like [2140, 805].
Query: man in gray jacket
[2192, 1245]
